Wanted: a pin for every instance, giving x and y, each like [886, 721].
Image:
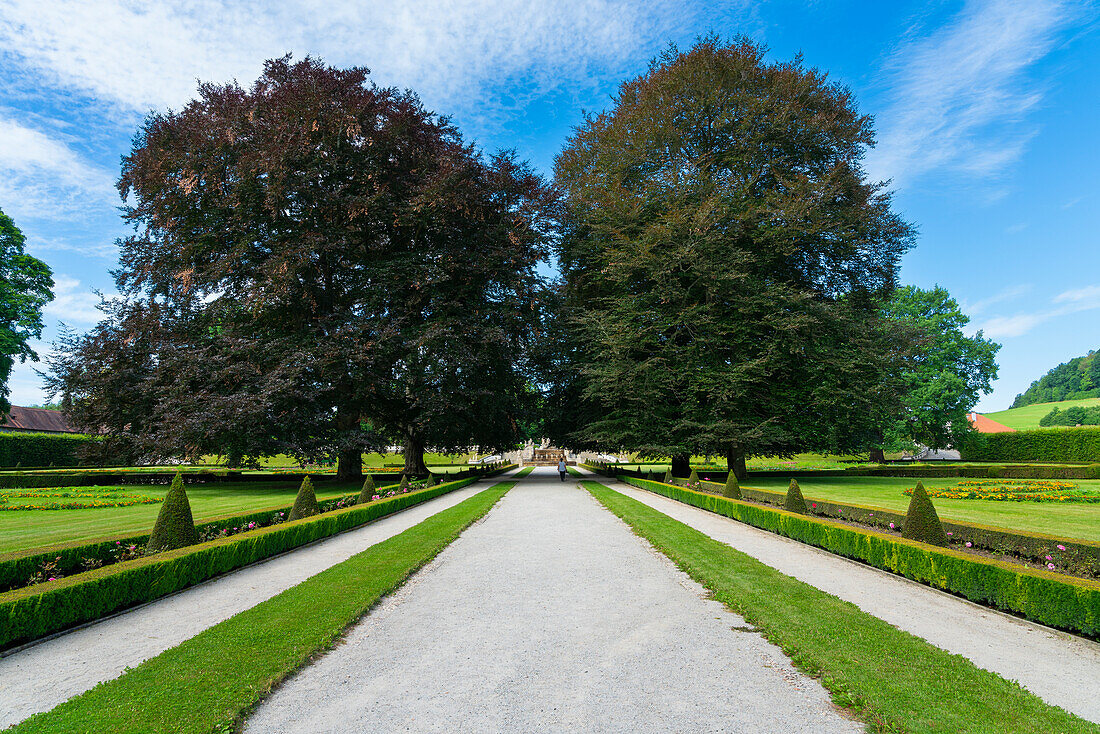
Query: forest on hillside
[1072, 380]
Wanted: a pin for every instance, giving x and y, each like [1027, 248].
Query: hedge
[1044, 597]
[1045, 444]
[919, 471]
[35, 611]
[42, 449]
[1079, 556]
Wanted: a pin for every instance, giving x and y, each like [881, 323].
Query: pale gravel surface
[1061, 669]
[550, 615]
[42, 676]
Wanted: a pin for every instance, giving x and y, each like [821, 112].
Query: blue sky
[987, 116]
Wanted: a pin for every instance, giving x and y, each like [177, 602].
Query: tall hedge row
[41, 449]
[1058, 601]
[1046, 444]
[35, 611]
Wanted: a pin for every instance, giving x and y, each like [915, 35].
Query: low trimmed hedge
[42, 449]
[1079, 556]
[921, 471]
[1044, 444]
[36, 611]
[1047, 598]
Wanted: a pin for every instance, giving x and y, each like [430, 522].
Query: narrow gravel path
[42, 676]
[1062, 669]
[550, 615]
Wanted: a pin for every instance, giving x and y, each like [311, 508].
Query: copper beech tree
[319, 266]
[723, 255]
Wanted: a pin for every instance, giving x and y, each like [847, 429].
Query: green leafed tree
[26, 286]
[724, 258]
[945, 372]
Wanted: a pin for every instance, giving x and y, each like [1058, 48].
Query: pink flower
[968, 544]
[54, 579]
[1061, 547]
[815, 505]
[891, 526]
[950, 534]
[1049, 565]
[1049, 558]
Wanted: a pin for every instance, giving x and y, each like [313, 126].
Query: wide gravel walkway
[1060, 668]
[550, 615]
[42, 676]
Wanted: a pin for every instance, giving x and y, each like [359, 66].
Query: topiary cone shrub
[922, 522]
[732, 488]
[175, 527]
[668, 477]
[433, 479]
[367, 492]
[305, 504]
[795, 502]
[404, 486]
[693, 480]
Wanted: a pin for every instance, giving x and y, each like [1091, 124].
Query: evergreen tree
[922, 522]
[794, 501]
[175, 527]
[368, 490]
[305, 503]
[732, 488]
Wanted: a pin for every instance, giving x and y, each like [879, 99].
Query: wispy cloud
[1064, 304]
[44, 177]
[959, 95]
[73, 303]
[1007, 294]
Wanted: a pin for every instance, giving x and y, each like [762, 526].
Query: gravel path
[42, 676]
[1060, 668]
[550, 615]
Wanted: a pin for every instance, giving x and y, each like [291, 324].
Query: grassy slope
[210, 681]
[1063, 520]
[1028, 416]
[895, 681]
[34, 528]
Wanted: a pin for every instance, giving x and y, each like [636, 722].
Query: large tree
[319, 265]
[944, 374]
[724, 256]
[26, 286]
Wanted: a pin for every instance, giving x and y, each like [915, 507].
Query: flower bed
[1014, 490]
[71, 498]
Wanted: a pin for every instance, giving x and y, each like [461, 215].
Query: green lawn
[209, 682]
[1081, 521]
[1028, 416]
[34, 528]
[894, 681]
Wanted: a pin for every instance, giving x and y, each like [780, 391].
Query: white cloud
[1072, 302]
[44, 178]
[1008, 294]
[72, 302]
[958, 96]
[147, 54]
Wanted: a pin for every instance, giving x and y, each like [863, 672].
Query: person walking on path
[561, 467]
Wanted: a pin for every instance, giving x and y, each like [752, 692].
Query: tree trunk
[349, 465]
[414, 457]
[877, 456]
[735, 462]
[681, 466]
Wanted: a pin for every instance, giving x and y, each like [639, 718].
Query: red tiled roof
[36, 419]
[987, 425]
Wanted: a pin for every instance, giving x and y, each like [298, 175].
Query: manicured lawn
[1080, 521]
[1028, 416]
[209, 682]
[894, 681]
[34, 528]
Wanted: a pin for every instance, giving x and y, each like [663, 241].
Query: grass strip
[208, 683]
[892, 680]
[573, 472]
[524, 472]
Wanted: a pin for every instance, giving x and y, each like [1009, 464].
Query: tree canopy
[1073, 380]
[26, 286]
[946, 371]
[724, 256]
[319, 266]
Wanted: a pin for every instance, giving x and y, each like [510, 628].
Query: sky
[987, 116]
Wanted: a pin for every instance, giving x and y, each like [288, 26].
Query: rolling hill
[1027, 417]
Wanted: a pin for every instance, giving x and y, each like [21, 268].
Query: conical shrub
[693, 480]
[305, 504]
[732, 488]
[175, 527]
[433, 479]
[404, 485]
[668, 477]
[922, 522]
[368, 490]
[795, 502]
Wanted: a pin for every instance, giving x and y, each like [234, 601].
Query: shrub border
[1040, 596]
[32, 612]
